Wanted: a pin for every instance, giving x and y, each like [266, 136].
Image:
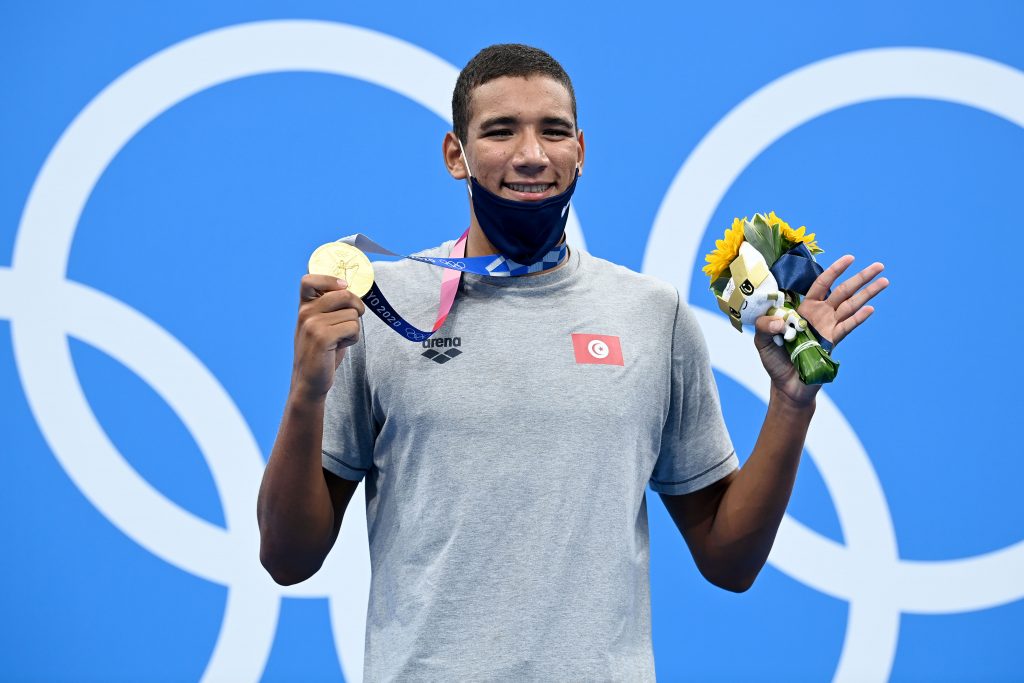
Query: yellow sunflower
[725, 251]
[794, 236]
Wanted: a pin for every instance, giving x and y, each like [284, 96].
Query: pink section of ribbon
[450, 283]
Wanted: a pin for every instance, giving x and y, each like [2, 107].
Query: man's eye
[498, 132]
[557, 132]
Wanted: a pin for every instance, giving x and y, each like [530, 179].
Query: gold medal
[343, 261]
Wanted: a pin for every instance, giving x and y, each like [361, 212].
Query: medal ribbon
[494, 265]
[454, 266]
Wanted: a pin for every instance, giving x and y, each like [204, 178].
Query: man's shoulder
[604, 273]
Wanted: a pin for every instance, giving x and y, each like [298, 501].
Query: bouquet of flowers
[763, 267]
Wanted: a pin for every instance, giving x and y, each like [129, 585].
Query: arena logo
[442, 342]
[442, 357]
[867, 571]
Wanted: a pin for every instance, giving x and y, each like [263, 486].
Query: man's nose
[530, 151]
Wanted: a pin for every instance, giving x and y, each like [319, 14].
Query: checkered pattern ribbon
[506, 267]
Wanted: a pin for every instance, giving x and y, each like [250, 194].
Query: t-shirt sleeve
[696, 450]
[349, 429]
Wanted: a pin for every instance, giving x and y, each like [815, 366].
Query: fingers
[327, 303]
[857, 301]
[344, 333]
[853, 284]
[328, 322]
[321, 293]
[819, 290]
[334, 318]
[314, 286]
[337, 300]
[850, 324]
[330, 330]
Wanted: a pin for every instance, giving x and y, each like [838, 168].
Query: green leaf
[776, 234]
[780, 243]
[813, 364]
[759, 235]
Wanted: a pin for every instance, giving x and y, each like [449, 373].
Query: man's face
[522, 143]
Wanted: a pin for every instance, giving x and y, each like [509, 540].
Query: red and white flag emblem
[597, 349]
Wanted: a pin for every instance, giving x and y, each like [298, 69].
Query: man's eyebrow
[499, 121]
[512, 120]
[557, 121]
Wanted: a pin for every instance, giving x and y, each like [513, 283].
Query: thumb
[765, 329]
[769, 325]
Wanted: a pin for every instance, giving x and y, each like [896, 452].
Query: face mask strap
[469, 173]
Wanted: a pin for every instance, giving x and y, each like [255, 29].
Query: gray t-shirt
[505, 481]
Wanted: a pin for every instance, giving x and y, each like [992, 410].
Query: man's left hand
[834, 316]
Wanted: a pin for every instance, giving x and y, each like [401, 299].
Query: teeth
[529, 188]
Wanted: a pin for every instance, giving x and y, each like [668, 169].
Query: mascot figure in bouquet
[762, 267]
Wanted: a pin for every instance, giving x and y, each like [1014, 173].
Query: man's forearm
[296, 518]
[752, 507]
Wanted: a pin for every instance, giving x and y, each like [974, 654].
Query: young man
[505, 491]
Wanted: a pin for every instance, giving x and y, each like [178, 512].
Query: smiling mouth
[530, 188]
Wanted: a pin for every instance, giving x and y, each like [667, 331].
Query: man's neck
[477, 244]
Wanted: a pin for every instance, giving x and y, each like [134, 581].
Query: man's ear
[453, 160]
[581, 152]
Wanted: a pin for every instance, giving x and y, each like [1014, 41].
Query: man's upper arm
[341, 491]
[694, 514]
[695, 449]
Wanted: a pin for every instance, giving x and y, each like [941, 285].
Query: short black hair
[509, 59]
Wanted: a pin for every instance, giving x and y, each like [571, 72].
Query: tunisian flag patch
[597, 349]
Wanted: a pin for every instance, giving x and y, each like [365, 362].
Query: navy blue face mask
[521, 231]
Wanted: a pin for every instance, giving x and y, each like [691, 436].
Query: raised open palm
[833, 315]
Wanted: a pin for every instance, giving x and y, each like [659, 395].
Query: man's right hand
[328, 323]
